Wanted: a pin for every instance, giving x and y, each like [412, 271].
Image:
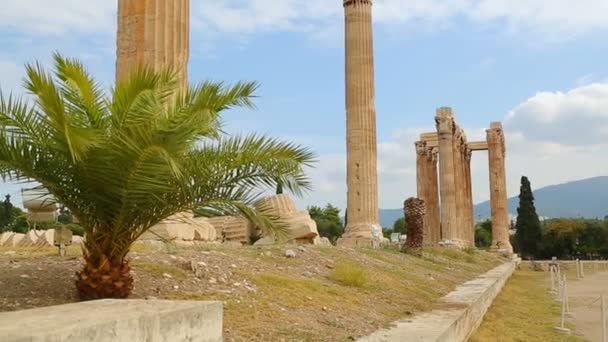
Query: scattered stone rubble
[33, 238]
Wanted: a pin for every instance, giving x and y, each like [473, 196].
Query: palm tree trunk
[104, 278]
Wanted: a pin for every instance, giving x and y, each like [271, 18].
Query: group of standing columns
[445, 184]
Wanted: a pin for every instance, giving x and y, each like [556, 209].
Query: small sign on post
[62, 239]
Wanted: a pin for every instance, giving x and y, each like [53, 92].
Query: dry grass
[523, 311]
[161, 269]
[350, 274]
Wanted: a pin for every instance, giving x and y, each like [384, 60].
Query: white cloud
[552, 137]
[555, 19]
[58, 17]
[576, 117]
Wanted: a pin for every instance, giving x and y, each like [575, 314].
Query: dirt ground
[585, 306]
[266, 296]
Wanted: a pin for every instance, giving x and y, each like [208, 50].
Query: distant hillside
[585, 198]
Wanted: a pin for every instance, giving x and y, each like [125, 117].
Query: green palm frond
[124, 160]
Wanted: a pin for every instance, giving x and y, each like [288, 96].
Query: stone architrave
[363, 226]
[445, 130]
[426, 170]
[498, 188]
[154, 33]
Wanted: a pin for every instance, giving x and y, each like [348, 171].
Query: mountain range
[583, 198]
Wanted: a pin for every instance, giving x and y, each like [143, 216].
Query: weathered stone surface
[203, 230]
[30, 238]
[466, 307]
[498, 188]
[116, 321]
[6, 236]
[445, 129]
[427, 186]
[232, 229]
[14, 240]
[154, 33]
[46, 239]
[414, 210]
[301, 227]
[362, 179]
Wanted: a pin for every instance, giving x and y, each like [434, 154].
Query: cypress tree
[6, 213]
[528, 227]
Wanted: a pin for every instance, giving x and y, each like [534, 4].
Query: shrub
[350, 274]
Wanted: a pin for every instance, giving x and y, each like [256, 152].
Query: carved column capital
[445, 121]
[353, 2]
[421, 148]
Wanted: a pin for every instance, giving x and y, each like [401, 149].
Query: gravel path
[583, 293]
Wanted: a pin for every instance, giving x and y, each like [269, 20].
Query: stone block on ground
[46, 239]
[30, 238]
[231, 228]
[116, 321]
[14, 240]
[4, 237]
[301, 227]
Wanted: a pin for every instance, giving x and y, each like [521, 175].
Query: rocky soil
[273, 293]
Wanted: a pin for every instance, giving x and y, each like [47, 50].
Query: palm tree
[121, 162]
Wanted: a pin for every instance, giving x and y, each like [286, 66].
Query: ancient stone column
[363, 224]
[469, 208]
[459, 184]
[498, 188]
[426, 174]
[154, 33]
[445, 132]
[432, 203]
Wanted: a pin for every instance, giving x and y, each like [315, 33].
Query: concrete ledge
[116, 321]
[461, 314]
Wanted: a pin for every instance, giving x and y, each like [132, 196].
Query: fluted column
[154, 33]
[445, 131]
[432, 204]
[469, 212]
[426, 175]
[458, 183]
[362, 197]
[498, 187]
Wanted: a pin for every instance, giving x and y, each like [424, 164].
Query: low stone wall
[116, 321]
[464, 310]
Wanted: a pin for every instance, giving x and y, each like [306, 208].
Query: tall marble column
[459, 184]
[445, 131]
[155, 33]
[432, 204]
[498, 187]
[363, 226]
[469, 212]
[426, 174]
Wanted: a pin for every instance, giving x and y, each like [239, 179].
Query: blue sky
[537, 65]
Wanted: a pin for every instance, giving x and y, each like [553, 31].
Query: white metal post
[604, 334]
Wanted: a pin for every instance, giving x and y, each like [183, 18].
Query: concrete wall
[463, 312]
[116, 321]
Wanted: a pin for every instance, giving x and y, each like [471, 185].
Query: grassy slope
[324, 294]
[523, 311]
[291, 307]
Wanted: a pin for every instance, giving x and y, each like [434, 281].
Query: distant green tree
[328, 221]
[399, 226]
[65, 216]
[7, 215]
[483, 234]
[528, 234]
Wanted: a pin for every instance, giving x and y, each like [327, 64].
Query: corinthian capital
[445, 120]
[352, 2]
